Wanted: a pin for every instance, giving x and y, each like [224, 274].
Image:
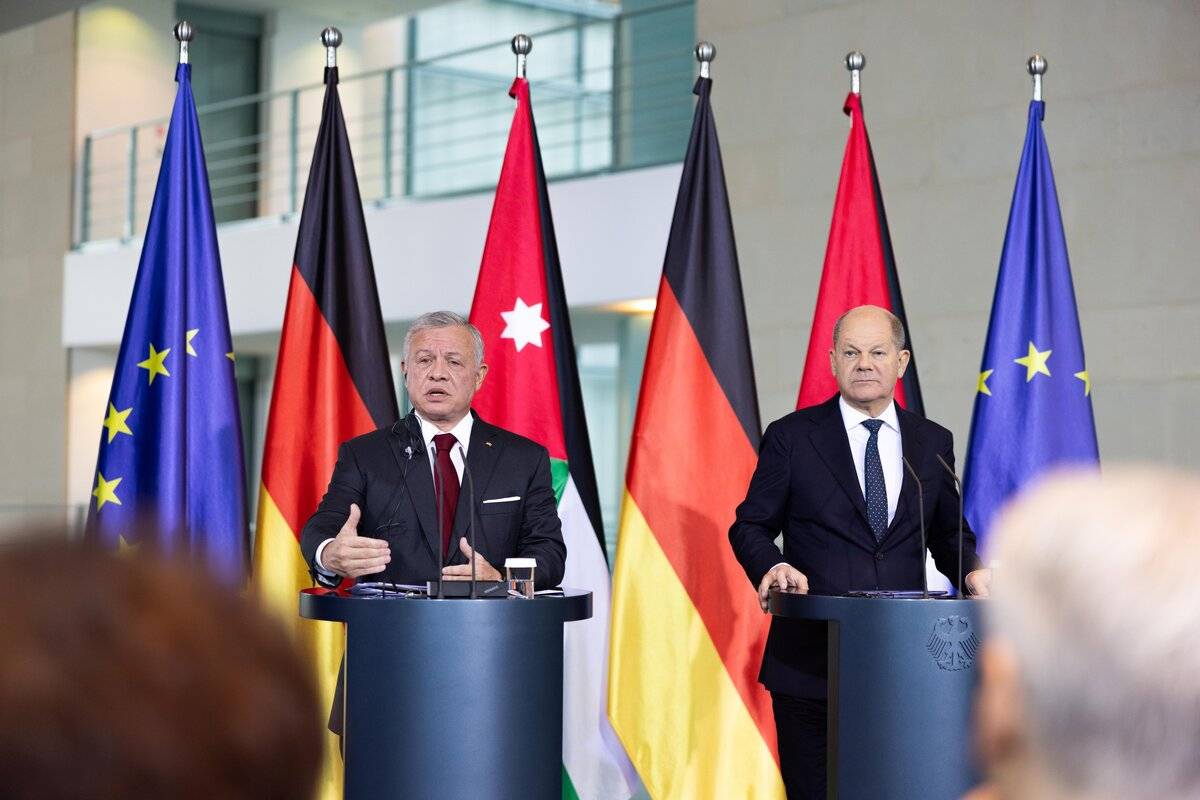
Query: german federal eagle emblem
[952, 643]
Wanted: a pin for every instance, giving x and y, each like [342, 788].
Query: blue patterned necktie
[877, 503]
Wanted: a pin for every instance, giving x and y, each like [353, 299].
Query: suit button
[879, 556]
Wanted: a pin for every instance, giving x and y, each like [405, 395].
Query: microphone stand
[921, 512]
[471, 519]
[958, 485]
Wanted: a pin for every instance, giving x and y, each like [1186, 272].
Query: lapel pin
[489, 444]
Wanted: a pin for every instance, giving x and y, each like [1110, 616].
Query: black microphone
[958, 485]
[471, 519]
[921, 511]
[414, 442]
[393, 503]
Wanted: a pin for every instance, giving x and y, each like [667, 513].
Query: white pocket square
[512, 499]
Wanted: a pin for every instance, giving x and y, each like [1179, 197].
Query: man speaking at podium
[398, 503]
[832, 479]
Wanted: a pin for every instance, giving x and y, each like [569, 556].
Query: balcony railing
[608, 94]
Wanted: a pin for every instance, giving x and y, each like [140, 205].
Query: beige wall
[126, 74]
[946, 95]
[37, 83]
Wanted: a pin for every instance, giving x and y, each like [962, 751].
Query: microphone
[471, 519]
[921, 511]
[958, 485]
[401, 426]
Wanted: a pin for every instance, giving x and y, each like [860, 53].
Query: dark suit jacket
[805, 485]
[387, 473]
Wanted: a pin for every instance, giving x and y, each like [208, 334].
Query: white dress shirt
[890, 450]
[461, 432]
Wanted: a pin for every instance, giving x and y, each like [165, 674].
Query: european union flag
[170, 474]
[1033, 406]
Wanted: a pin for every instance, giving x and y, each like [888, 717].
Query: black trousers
[800, 724]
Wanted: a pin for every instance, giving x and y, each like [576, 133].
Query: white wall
[611, 231]
[946, 95]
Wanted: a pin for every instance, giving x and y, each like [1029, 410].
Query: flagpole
[1037, 68]
[705, 53]
[332, 39]
[183, 35]
[521, 45]
[855, 62]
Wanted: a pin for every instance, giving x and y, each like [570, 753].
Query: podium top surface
[340, 606]
[841, 608]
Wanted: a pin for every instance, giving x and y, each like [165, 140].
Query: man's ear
[905, 357]
[481, 374]
[832, 363]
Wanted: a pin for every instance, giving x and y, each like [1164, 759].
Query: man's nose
[863, 363]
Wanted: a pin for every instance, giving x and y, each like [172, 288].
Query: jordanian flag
[688, 634]
[860, 268]
[533, 389]
[332, 382]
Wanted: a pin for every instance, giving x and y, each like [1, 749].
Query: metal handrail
[394, 135]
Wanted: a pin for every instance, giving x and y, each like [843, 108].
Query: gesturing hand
[462, 572]
[351, 555]
[783, 577]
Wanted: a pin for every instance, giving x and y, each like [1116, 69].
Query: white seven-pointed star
[524, 324]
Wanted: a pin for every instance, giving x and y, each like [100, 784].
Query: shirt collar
[852, 417]
[461, 431]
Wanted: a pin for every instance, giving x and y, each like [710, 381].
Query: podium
[451, 698]
[901, 687]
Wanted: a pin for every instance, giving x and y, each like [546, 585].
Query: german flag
[860, 268]
[687, 634]
[332, 382]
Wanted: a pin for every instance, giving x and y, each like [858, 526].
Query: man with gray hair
[1090, 674]
[394, 510]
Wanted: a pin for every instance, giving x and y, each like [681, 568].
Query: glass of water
[519, 574]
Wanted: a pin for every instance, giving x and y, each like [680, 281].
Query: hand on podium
[351, 555]
[462, 572]
[979, 582]
[784, 577]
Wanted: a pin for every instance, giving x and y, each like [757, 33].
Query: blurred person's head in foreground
[126, 676]
[1091, 672]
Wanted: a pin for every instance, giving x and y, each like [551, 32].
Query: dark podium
[452, 698]
[901, 685]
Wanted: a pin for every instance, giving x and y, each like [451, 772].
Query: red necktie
[445, 481]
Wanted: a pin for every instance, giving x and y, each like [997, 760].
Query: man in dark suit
[832, 479]
[398, 503]
[404, 486]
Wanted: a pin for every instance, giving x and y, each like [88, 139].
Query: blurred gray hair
[444, 319]
[898, 337]
[1098, 596]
